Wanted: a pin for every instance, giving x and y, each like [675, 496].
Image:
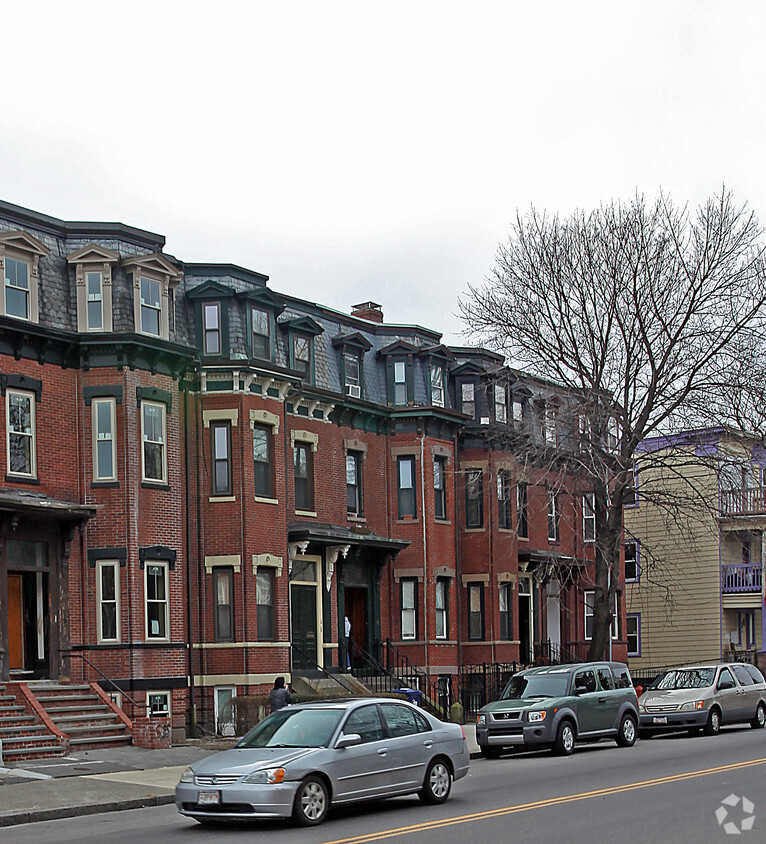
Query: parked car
[704, 697]
[557, 705]
[303, 759]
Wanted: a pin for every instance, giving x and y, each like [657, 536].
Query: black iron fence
[482, 683]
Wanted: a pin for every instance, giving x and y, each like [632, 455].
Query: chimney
[371, 311]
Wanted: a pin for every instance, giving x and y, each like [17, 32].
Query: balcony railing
[750, 501]
[740, 577]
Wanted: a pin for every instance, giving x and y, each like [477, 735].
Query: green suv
[556, 705]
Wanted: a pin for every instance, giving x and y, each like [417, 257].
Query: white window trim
[413, 610]
[100, 565]
[165, 566]
[164, 410]
[28, 290]
[100, 275]
[553, 511]
[615, 615]
[501, 403]
[445, 586]
[94, 437]
[161, 309]
[588, 499]
[153, 692]
[21, 246]
[33, 449]
[218, 329]
[438, 386]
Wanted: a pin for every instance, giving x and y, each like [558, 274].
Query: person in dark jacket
[279, 696]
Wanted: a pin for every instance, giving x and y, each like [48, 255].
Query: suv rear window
[622, 678]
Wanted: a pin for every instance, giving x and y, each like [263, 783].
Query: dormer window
[501, 409]
[20, 254]
[352, 375]
[151, 311]
[437, 385]
[400, 382]
[468, 399]
[261, 333]
[302, 353]
[550, 422]
[93, 276]
[211, 328]
[95, 293]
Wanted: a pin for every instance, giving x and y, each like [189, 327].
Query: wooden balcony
[741, 577]
[750, 501]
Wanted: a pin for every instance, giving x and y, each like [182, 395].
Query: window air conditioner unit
[484, 420]
[354, 390]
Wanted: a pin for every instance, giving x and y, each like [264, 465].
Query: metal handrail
[99, 671]
[322, 669]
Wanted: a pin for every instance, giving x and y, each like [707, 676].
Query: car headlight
[641, 706]
[187, 776]
[692, 704]
[481, 720]
[267, 775]
[537, 716]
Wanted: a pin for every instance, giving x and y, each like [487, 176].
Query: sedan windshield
[536, 685]
[688, 678]
[294, 728]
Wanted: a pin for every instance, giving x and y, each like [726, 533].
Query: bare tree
[649, 317]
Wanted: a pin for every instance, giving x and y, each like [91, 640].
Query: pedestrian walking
[279, 696]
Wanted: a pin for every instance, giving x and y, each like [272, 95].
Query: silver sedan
[302, 759]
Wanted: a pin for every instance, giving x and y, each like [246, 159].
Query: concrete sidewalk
[106, 780]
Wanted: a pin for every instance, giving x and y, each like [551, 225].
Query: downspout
[287, 540]
[458, 567]
[720, 594]
[425, 551]
[488, 592]
[198, 499]
[189, 625]
[242, 427]
[129, 569]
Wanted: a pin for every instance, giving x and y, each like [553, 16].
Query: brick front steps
[23, 736]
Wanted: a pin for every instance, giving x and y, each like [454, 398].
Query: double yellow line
[542, 804]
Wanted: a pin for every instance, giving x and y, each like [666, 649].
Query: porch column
[60, 667]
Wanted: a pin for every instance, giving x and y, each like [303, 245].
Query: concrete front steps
[82, 715]
[22, 735]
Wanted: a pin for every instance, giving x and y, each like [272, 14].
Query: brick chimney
[371, 311]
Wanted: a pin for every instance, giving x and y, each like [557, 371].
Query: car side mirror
[348, 740]
[725, 684]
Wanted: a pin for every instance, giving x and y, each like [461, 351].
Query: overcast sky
[367, 150]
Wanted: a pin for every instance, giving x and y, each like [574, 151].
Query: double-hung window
[220, 439]
[553, 516]
[304, 480]
[108, 600]
[409, 616]
[17, 289]
[302, 354]
[263, 462]
[633, 633]
[157, 605]
[151, 307]
[223, 589]
[522, 517]
[550, 425]
[264, 603]
[21, 428]
[505, 594]
[589, 517]
[440, 488]
[94, 289]
[261, 333]
[632, 567]
[474, 498]
[589, 599]
[400, 382]
[475, 611]
[352, 375]
[405, 469]
[437, 385]
[211, 328]
[104, 452]
[517, 410]
[153, 437]
[442, 595]
[354, 483]
[501, 409]
[504, 499]
[468, 399]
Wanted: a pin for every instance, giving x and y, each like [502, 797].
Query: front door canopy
[37, 505]
[326, 534]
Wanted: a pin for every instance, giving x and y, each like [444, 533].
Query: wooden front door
[15, 621]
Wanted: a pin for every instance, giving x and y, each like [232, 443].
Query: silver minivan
[703, 697]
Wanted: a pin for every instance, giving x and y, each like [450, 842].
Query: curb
[36, 815]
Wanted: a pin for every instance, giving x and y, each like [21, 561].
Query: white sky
[360, 150]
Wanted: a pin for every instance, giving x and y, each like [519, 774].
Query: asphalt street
[666, 789]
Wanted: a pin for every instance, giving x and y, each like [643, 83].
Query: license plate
[208, 798]
[660, 719]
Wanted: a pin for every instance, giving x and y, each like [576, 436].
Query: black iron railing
[70, 654]
[482, 683]
[336, 678]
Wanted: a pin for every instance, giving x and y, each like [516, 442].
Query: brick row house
[204, 478]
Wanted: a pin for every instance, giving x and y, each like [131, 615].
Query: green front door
[303, 600]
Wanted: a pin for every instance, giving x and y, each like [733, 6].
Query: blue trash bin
[413, 695]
